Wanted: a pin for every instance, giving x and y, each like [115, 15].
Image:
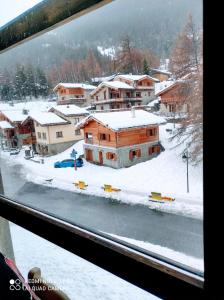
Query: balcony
[118, 100]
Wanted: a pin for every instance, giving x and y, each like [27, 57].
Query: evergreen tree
[30, 82]
[6, 89]
[42, 85]
[146, 69]
[20, 83]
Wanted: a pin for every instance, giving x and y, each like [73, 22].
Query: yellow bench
[158, 197]
[108, 188]
[81, 185]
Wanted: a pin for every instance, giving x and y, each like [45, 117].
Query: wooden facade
[22, 134]
[97, 134]
[173, 99]
[77, 94]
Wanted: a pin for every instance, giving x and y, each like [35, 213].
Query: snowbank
[166, 174]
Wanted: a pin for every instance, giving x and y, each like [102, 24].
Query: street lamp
[185, 157]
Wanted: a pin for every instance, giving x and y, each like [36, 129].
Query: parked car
[14, 151]
[68, 163]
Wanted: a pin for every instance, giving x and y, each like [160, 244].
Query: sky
[13, 8]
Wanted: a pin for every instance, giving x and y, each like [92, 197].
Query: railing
[122, 99]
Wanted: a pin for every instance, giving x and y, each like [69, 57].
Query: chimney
[133, 112]
[25, 111]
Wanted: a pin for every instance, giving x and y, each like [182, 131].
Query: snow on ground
[79, 279]
[107, 51]
[166, 174]
[176, 256]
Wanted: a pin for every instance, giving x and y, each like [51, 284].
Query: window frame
[132, 266]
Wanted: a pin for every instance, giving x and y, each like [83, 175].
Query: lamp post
[185, 157]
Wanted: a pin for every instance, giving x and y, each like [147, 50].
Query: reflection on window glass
[75, 277]
[11, 9]
[101, 124]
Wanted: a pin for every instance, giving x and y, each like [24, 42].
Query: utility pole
[6, 246]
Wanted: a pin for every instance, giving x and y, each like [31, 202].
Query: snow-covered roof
[70, 110]
[161, 71]
[5, 125]
[113, 85]
[75, 85]
[123, 119]
[46, 118]
[14, 115]
[160, 86]
[136, 77]
[153, 102]
[102, 79]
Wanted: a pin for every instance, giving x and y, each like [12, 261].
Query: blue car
[68, 163]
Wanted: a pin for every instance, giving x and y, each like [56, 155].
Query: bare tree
[185, 54]
[187, 65]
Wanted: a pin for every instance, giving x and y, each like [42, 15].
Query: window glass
[156, 175]
[11, 9]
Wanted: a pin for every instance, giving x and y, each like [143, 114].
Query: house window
[104, 137]
[78, 132]
[149, 93]
[39, 135]
[151, 132]
[76, 121]
[138, 94]
[44, 135]
[101, 107]
[88, 138]
[59, 134]
[105, 95]
[134, 153]
[140, 83]
[89, 135]
[97, 98]
[154, 149]
[111, 156]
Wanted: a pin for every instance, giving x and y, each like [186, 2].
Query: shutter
[130, 155]
[108, 137]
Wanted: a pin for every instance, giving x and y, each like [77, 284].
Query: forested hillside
[150, 24]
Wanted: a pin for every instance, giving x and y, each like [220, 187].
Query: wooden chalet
[74, 93]
[173, 99]
[121, 139]
[162, 75]
[21, 134]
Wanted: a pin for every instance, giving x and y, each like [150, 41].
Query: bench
[81, 185]
[108, 188]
